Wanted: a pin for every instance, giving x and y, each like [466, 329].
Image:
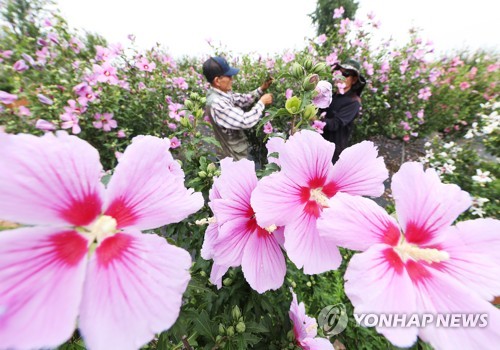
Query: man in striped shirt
[231, 113]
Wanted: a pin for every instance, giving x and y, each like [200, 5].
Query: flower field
[121, 227]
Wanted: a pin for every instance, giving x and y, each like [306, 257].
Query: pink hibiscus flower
[82, 254]
[305, 328]
[105, 122]
[432, 267]
[296, 196]
[236, 238]
[323, 94]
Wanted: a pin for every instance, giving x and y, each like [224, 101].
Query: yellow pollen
[206, 221]
[319, 197]
[271, 228]
[410, 251]
[103, 228]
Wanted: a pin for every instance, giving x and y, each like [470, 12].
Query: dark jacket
[340, 116]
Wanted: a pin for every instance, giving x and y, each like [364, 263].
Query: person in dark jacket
[345, 106]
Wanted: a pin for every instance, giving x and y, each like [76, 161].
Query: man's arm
[246, 100]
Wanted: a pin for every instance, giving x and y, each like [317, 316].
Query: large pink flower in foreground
[296, 196]
[82, 258]
[432, 267]
[236, 239]
[305, 328]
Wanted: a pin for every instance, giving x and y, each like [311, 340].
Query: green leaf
[204, 326]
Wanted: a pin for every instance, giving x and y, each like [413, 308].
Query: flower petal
[317, 344]
[474, 249]
[233, 237]
[390, 290]
[424, 205]
[443, 297]
[307, 249]
[211, 234]
[306, 156]
[133, 290]
[146, 191]
[42, 272]
[263, 262]
[357, 223]
[237, 180]
[359, 171]
[49, 180]
[218, 271]
[276, 200]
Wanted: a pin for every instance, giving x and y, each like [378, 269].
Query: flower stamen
[410, 251]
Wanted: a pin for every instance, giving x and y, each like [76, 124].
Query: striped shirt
[227, 108]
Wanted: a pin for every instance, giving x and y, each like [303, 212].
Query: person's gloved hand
[265, 85]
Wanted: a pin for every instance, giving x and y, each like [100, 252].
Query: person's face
[224, 83]
[350, 78]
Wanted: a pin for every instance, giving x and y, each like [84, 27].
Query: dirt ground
[395, 153]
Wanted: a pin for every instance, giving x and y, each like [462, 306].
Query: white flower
[481, 177]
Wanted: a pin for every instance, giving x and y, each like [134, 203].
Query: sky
[184, 27]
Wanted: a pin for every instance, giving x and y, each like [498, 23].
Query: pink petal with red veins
[307, 249]
[42, 272]
[133, 290]
[276, 200]
[443, 295]
[424, 205]
[377, 282]
[474, 249]
[357, 223]
[263, 262]
[359, 170]
[307, 156]
[232, 240]
[143, 192]
[49, 180]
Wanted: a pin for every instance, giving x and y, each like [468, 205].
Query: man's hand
[267, 99]
[265, 85]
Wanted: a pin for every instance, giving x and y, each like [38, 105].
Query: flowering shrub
[266, 229]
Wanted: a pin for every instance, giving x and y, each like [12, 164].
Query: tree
[323, 15]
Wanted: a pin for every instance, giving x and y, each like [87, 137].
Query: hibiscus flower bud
[241, 327]
[318, 68]
[189, 105]
[308, 64]
[310, 82]
[297, 70]
[185, 122]
[293, 104]
[310, 111]
[230, 331]
[236, 313]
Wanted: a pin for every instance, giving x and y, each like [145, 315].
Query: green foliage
[322, 15]
[168, 101]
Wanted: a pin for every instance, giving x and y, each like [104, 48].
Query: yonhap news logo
[333, 320]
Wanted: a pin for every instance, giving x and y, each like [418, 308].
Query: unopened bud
[310, 82]
[241, 327]
[211, 167]
[308, 64]
[236, 312]
[297, 71]
[318, 68]
[230, 331]
[188, 104]
[202, 174]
